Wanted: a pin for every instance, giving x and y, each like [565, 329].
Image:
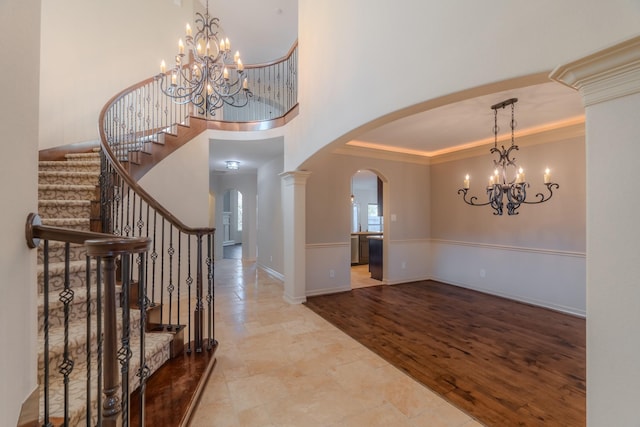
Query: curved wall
[360, 62]
[92, 50]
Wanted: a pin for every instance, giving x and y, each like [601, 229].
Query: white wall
[92, 50]
[613, 294]
[20, 43]
[500, 41]
[270, 222]
[180, 182]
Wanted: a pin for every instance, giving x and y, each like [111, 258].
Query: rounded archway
[367, 229]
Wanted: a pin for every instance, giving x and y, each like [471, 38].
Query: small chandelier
[207, 78]
[233, 165]
[515, 190]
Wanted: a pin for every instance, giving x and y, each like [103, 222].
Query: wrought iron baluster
[100, 337]
[189, 282]
[124, 353]
[88, 338]
[66, 297]
[198, 315]
[47, 422]
[170, 287]
[127, 227]
[178, 279]
[146, 264]
[162, 274]
[143, 304]
[154, 257]
[209, 261]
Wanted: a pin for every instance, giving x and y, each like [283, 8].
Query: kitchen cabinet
[375, 256]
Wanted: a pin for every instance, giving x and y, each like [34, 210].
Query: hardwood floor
[503, 362]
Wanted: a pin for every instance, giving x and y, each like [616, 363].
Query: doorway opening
[367, 225]
[232, 224]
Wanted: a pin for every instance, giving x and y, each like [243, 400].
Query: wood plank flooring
[503, 362]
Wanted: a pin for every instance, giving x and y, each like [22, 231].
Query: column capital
[605, 75]
[295, 177]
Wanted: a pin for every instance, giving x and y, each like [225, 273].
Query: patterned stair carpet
[68, 197]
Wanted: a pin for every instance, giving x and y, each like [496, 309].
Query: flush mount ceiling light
[500, 185]
[206, 76]
[233, 165]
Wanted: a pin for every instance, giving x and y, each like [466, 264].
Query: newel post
[108, 250]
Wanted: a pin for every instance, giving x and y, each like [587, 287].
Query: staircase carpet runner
[66, 190]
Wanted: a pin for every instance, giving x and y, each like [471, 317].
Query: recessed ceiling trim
[549, 135]
[578, 120]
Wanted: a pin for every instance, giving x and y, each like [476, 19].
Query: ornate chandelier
[207, 77]
[500, 187]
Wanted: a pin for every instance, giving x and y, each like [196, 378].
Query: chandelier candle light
[499, 185]
[207, 78]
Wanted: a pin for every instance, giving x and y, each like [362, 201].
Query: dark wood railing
[108, 362]
[172, 278]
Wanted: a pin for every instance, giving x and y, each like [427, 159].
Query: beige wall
[91, 50]
[439, 50]
[19, 42]
[270, 222]
[558, 224]
[328, 221]
[180, 182]
[329, 204]
[537, 256]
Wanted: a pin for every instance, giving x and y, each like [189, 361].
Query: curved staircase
[68, 194]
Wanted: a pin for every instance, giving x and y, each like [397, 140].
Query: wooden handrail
[275, 61]
[100, 244]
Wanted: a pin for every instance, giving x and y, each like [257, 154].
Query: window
[374, 222]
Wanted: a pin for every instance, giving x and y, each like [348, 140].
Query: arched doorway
[367, 226]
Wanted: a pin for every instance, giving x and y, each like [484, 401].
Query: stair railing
[108, 358]
[179, 267]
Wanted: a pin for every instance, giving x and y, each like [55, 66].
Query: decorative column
[294, 217]
[609, 82]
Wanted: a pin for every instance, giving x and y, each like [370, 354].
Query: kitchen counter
[360, 246]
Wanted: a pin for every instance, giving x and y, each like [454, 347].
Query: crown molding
[355, 148]
[572, 129]
[605, 75]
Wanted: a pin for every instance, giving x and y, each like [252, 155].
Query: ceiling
[250, 154]
[269, 30]
[470, 122]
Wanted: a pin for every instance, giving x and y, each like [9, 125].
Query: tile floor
[361, 277]
[282, 365]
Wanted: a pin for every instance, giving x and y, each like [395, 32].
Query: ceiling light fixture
[206, 78]
[499, 183]
[233, 165]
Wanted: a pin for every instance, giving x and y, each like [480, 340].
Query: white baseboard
[326, 291]
[272, 272]
[543, 304]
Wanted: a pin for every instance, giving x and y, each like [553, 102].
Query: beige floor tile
[383, 416]
[443, 415]
[281, 365]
